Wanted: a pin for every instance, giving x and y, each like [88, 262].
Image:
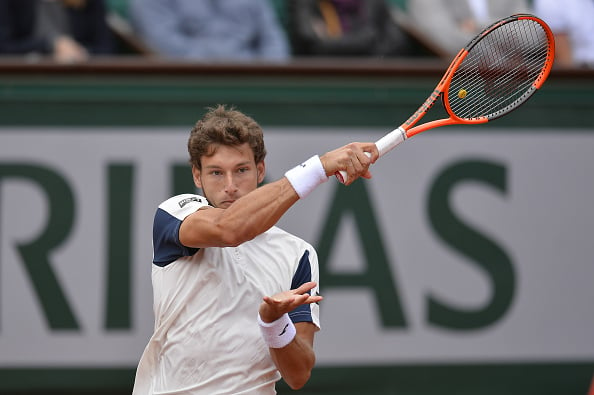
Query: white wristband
[306, 176]
[279, 333]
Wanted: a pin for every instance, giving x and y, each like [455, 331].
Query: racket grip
[384, 145]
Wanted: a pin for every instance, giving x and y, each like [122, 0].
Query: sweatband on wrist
[307, 176]
[279, 333]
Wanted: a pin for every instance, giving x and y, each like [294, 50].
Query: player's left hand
[273, 307]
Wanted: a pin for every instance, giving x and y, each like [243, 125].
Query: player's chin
[225, 204]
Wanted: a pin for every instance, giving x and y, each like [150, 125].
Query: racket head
[499, 69]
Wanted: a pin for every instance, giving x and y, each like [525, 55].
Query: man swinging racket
[235, 297]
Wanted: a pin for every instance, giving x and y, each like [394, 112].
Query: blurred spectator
[68, 30]
[227, 30]
[451, 24]
[345, 28]
[572, 23]
[87, 22]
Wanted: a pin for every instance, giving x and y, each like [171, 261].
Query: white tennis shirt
[206, 337]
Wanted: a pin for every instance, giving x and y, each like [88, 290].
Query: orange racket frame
[408, 128]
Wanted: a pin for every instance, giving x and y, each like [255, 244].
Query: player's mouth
[226, 203]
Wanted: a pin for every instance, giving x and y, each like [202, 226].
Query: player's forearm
[262, 208]
[258, 211]
[245, 219]
[295, 362]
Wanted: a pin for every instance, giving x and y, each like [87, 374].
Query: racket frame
[408, 128]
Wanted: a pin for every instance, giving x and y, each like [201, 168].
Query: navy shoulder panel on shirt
[302, 275]
[168, 218]
[166, 245]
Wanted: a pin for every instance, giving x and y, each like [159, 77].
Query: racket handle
[384, 145]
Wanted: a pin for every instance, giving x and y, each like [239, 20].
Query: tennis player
[235, 297]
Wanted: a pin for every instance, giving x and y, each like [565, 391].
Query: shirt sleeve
[168, 218]
[307, 270]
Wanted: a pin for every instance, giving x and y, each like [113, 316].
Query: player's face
[228, 174]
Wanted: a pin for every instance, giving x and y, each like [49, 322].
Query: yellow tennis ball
[462, 93]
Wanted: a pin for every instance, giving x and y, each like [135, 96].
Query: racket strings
[500, 80]
[524, 74]
[499, 71]
[502, 77]
[497, 74]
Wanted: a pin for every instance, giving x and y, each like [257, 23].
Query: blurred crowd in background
[71, 31]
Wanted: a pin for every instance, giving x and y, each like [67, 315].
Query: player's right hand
[354, 159]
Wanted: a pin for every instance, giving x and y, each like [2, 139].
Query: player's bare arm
[258, 210]
[246, 218]
[295, 360]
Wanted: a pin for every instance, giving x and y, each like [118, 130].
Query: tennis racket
[493, 75]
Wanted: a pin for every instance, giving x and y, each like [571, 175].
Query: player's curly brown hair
[225, 126]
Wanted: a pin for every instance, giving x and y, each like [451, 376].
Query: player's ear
[261, 167]
[196, 176]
